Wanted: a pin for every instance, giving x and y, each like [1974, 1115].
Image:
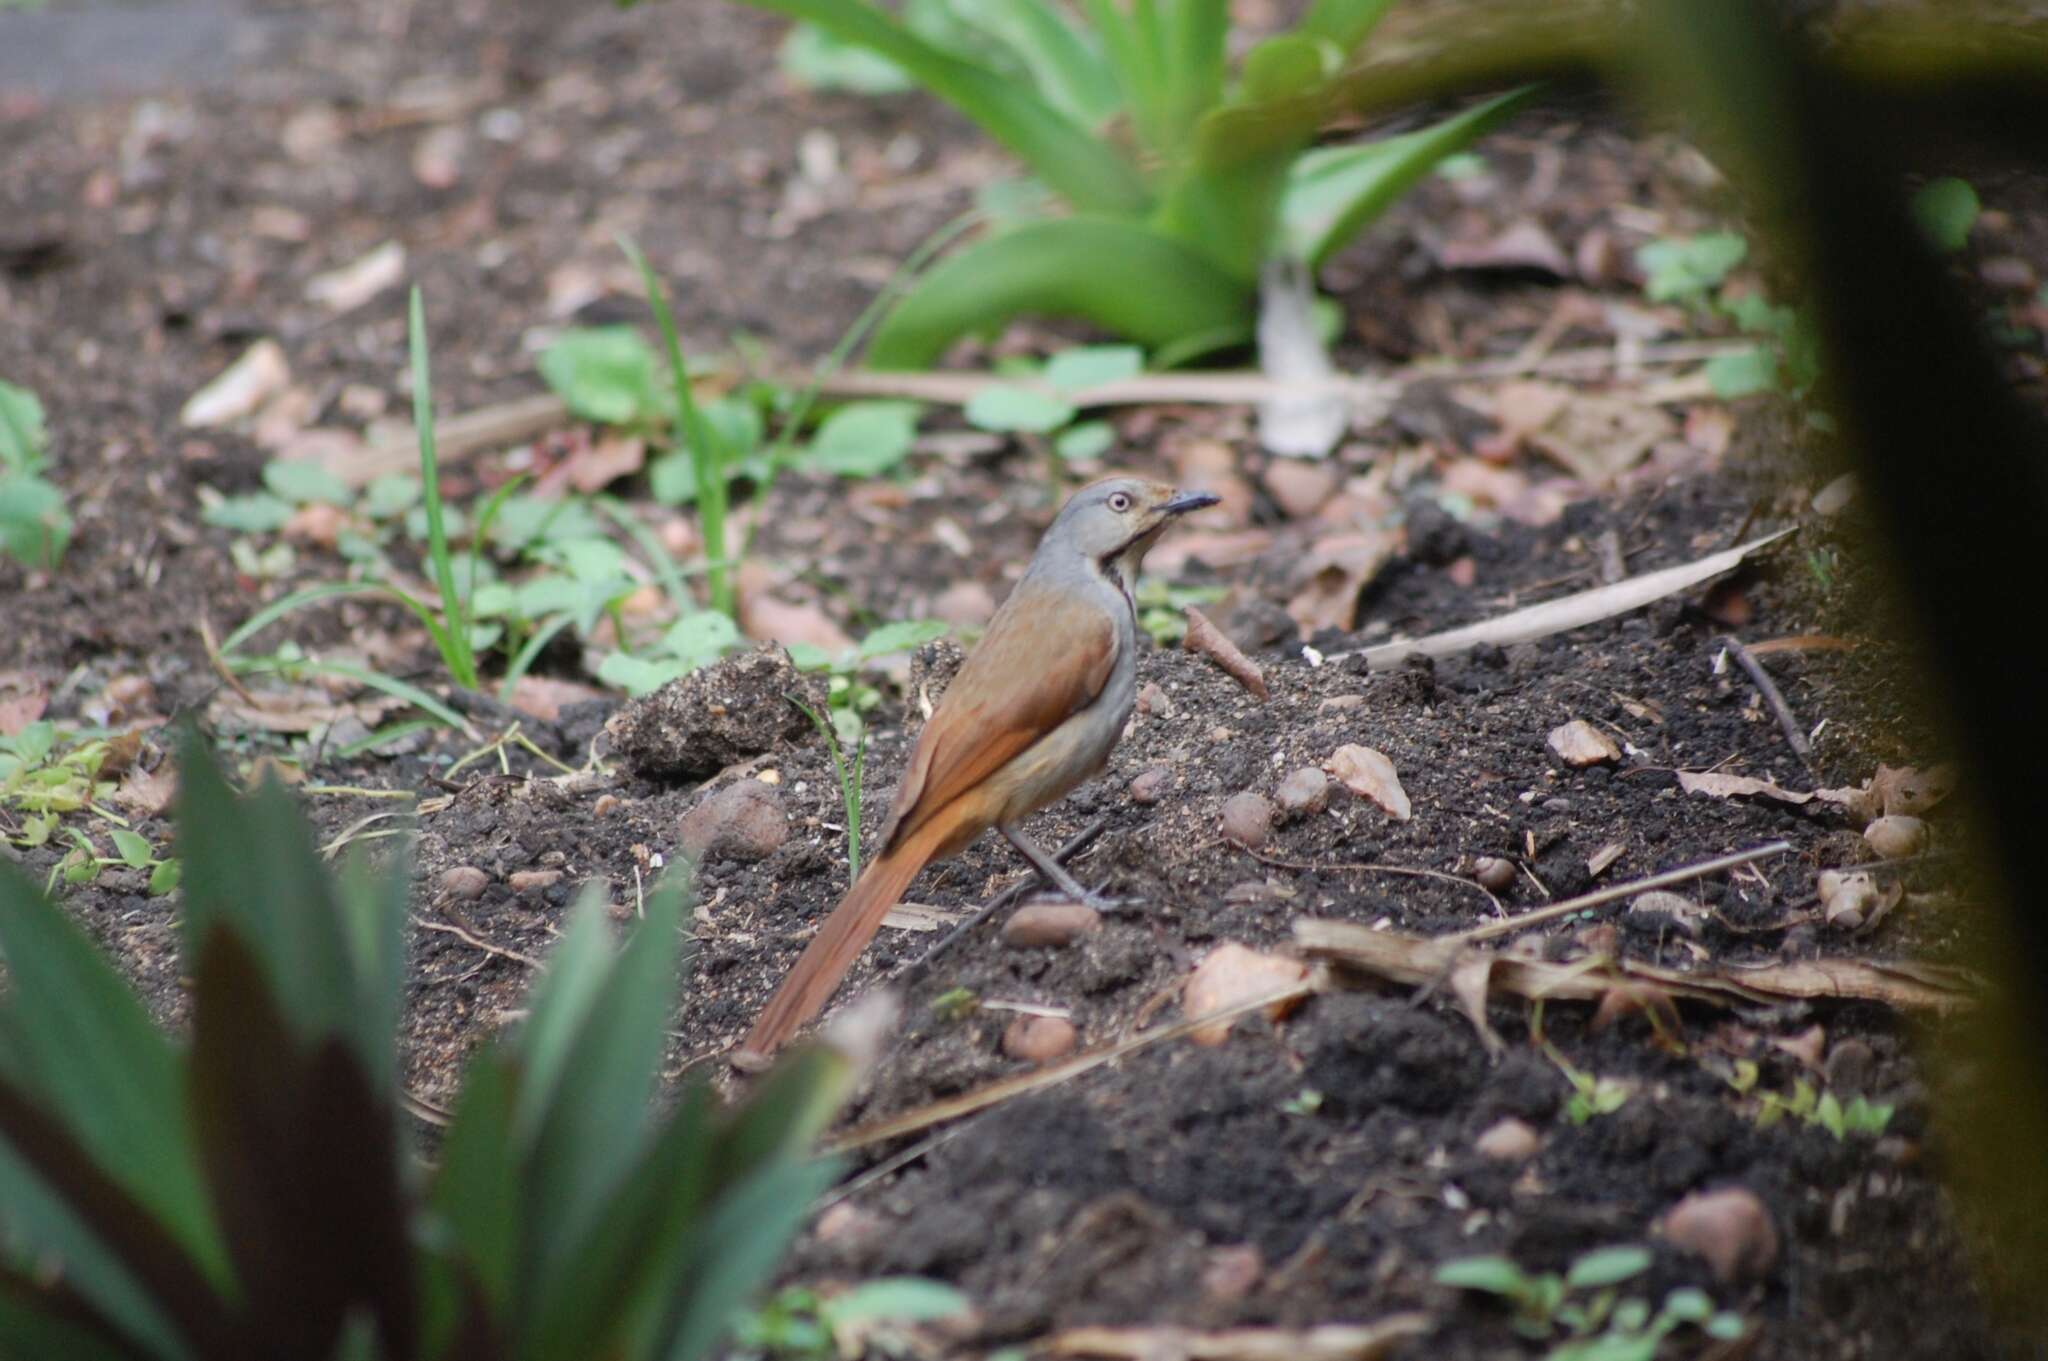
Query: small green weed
[1591, 1095]
[45, 774]
[1858, 1115]
[1694, 271]
[1162, 607]
[1307, 1101]
[1044, 409]
[799, 1324]
[848, 697]
[1601, 1323]
[35, 529]
[955, 1004]
[849, 782]
[83, 862]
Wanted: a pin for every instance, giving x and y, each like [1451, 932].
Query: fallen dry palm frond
[1567, 612]
[1401, 957]
[1324, 1342]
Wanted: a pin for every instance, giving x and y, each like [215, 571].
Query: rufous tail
[831, 953]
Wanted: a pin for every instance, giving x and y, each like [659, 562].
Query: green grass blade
[744, 1239]
[658, 558]
[454, 639]
[310, 595]
[392, 686]
[1125, 277]
[1334, 193]
[1063, 154]
[525, 658]
[1066, 67]
[1195, 33]
[1131, 62]
[76, 1036]
[477, 1189]
[706, 461]
[1347, 23]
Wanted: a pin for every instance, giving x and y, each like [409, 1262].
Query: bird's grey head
[1112, 522]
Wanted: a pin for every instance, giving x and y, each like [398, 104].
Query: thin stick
[1378, 869]
[998, 1092]
[894, 1163]
[1608, 895]
[916, 968]
[472, 939]
[1768, 688]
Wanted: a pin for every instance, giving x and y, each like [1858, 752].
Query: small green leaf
[1608, 1266]
[901, 636]
[638, 675]
[1003, 409]
[1494, 1275]
[34, 526]
[391, 494]
[1688, 1304]
[1681, 268]
[303, 483]
[1742, 374]
[164, 878]
[1631, 1314]
[1946, 209]
[700, 639]
[895, 1299]
[808, 656]
[865, 439]
[604, 374]
[21, 430]
[133, 848]
[1087, 366]
[1725, 1326]
[1085, 441]
[255, 513]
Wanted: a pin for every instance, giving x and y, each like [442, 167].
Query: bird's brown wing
[1045, 657]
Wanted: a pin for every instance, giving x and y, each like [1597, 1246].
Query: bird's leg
[1054, 873]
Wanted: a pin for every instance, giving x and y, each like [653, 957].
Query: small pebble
[1231, 1272]
[1493, 873]
[1247, 819]
[1897, 836]
[1149, 787]
[1049, 926]
[1508, 1141]
[533, 881]
[1848, 1068]
[1579, 744]
[1730, 1228]
[464, 883]
[1152, 699]
[743, 821]
[1039, 1039]
[1300, 487]
[1304, 792]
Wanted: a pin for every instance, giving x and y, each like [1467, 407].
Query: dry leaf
[1333, 572]
[1720, 786]
[1601, 860]
[1569, 612]
[1405, 958]
[543, 697]
[1521, 245]
[1469, 984]
[352, 285]
[1597, 438]
[148, 792]
[1325, 1342]
[762, 616]
[260, 374]
[1579, 744]
[1205, 638]
[1231, 974]
[1370, 775]
[1909, 791]
[24, 706]
[603, 461]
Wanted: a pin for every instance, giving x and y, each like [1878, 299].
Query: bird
[1033, 712]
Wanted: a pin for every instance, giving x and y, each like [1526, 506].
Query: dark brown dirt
[131, 272]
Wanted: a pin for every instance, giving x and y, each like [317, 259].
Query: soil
[1311, 1171]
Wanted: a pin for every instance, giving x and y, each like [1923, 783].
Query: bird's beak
[1181, 502]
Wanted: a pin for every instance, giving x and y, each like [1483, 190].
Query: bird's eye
[1119, 502]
